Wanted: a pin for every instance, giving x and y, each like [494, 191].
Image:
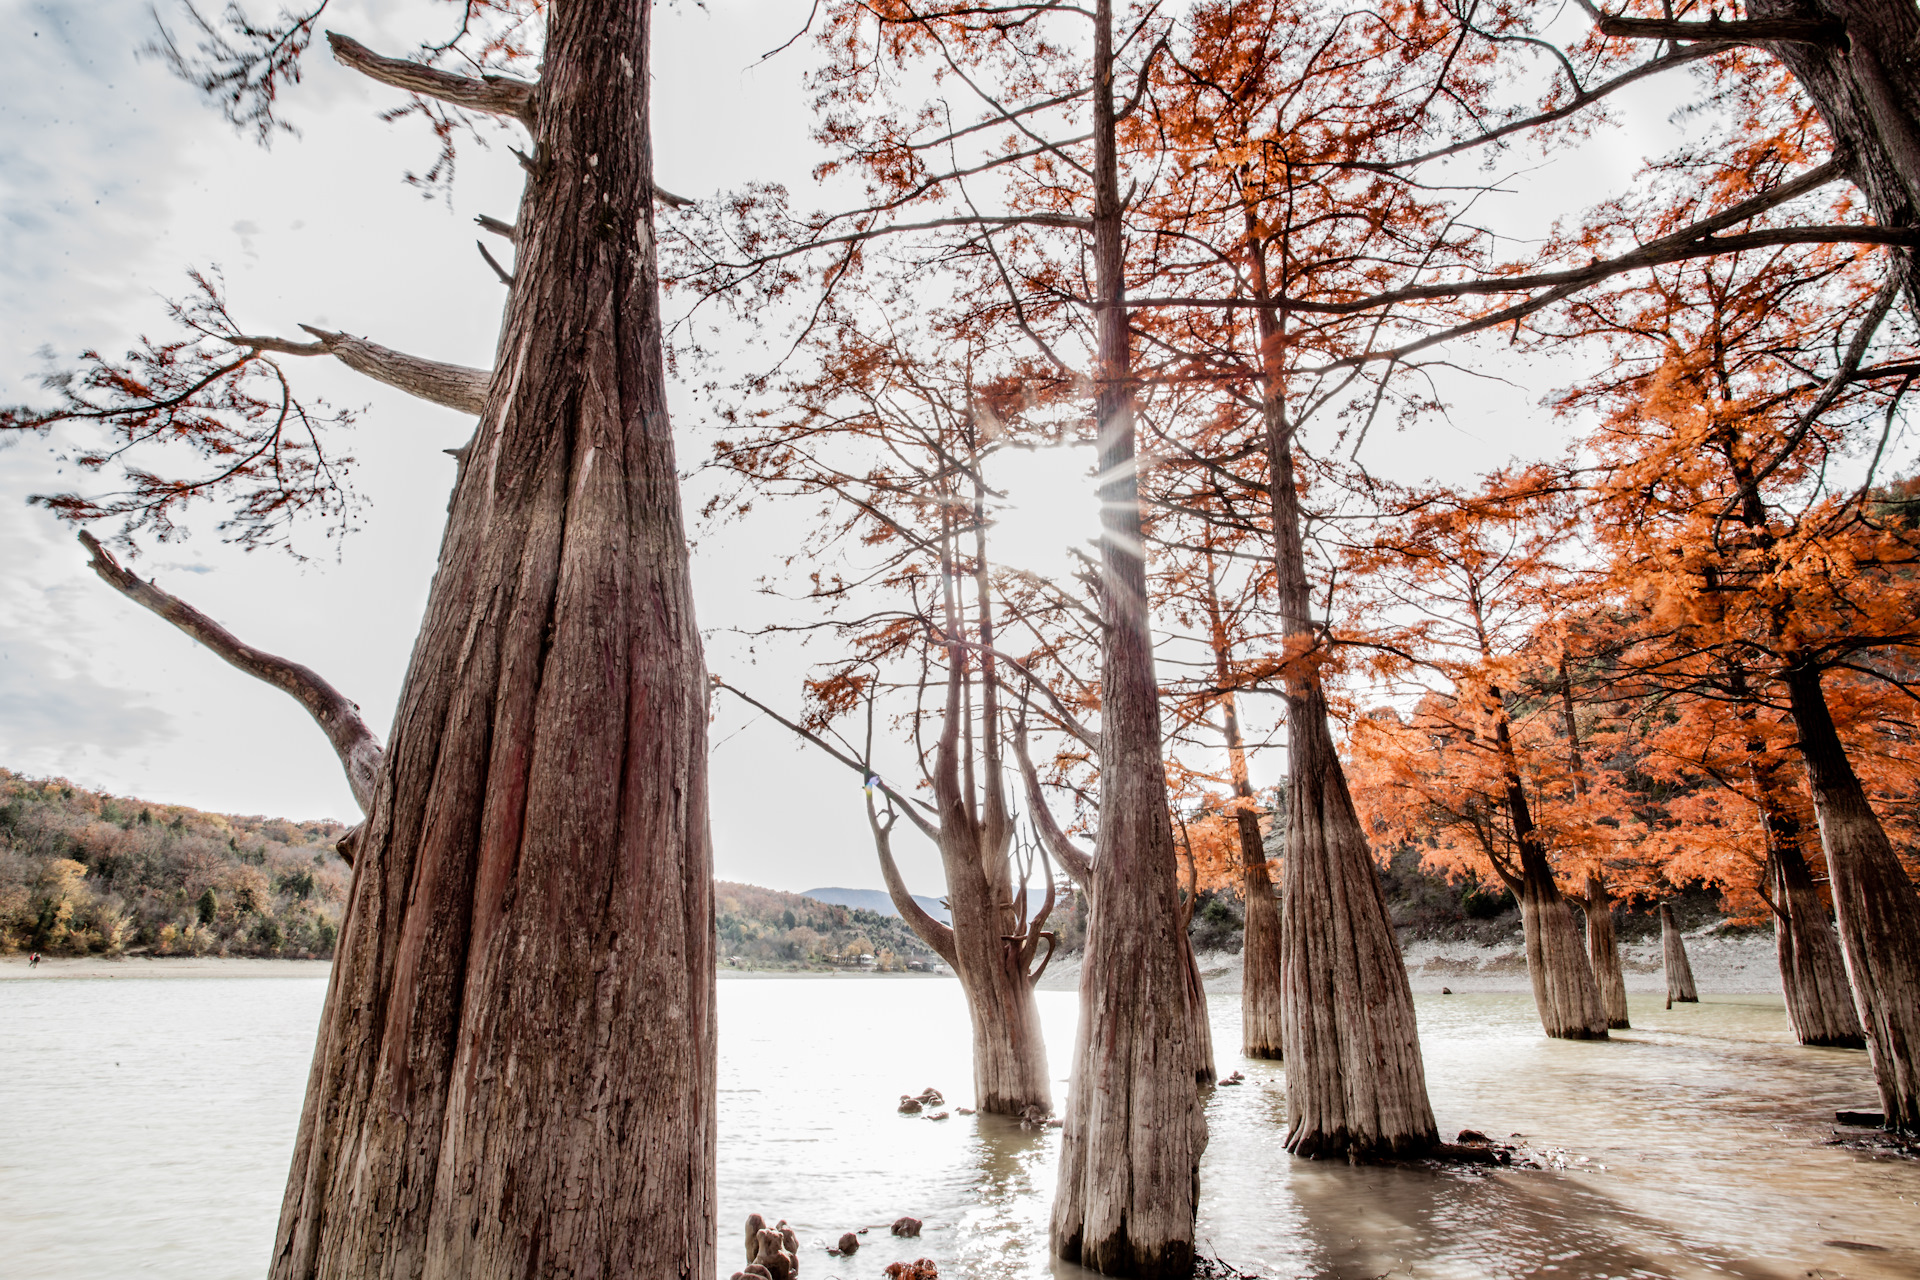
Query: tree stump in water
[1674, 952]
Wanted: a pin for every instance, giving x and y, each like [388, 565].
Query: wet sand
[15, 968]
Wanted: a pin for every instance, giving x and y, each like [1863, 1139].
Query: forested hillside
[766, 929]
[84, 873]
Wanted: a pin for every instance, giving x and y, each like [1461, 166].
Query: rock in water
[755, 1225]
[1472, 1136]
[931, 1096]
[909, 1106]
[789, 1241]
[924, 1269]
[906, 1226]
[849, 1242]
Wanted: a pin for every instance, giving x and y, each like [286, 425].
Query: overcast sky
[115, 178]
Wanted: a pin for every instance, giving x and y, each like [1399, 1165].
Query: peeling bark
[1673, 956]
[515, 1067]
[1873, 905]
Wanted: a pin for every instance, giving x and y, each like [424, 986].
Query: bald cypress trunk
[1261, 1008]
[1260, 947]
[1603, 953]
[1813, 974]
[1864, 78]
[1356, 1084]
[1673, 955]
[1873, 905]
[1565, 994]
[515, 1067]
[1129, 1180]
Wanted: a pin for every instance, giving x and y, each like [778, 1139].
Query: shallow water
[145, 1126]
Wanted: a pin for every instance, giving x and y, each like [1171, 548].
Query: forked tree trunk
[1873, 904]
[1603, 952]
[1356, 1084]
[515, 1067]
[1129, 1180]
[1565, 994]
[1673, 955]
[1813, 974]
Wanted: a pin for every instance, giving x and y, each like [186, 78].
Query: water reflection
[1692, 1144]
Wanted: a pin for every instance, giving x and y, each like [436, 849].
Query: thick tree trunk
[1356, 1084]
[1129, 1180]
[1873, 904]
[1565, 994]
[1865, 81]
[1009, 1052]
[1673, 955]
[1260, 998]
[1603, 953]
[1813, 974]
[515, 1067]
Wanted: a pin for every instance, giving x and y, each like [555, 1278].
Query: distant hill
[87, 873]
[878, 900]
[767, 929]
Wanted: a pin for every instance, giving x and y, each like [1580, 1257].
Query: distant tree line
[84, 873]
[766, 929]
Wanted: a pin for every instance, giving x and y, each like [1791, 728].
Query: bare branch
[339, 718]
[498, 95]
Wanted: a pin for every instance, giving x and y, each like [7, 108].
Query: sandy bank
[1740, 965]
[14, 968]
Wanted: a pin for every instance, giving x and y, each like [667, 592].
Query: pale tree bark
[515, 1067]
[1873, 905]
[1673, 956]
[1603, 951]
[1565, 992]
[1129, 1176]
[1603, 948]
[1260, 1006]
[1813, 974]
[1356, 1083]
[1078, 864]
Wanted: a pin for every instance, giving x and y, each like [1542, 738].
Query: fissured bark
[1873, 905]
[1356, 1083]
[1129, 1178]
[1813, 974]
[1603, 952]
[515, 1067]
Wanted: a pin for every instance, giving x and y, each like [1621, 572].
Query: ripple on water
[1700, 1133]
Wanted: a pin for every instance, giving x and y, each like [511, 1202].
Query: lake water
[146, 1124]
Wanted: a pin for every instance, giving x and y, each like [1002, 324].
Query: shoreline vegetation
[1725, 964]
[111, 886]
